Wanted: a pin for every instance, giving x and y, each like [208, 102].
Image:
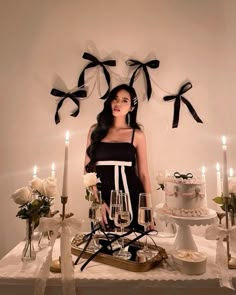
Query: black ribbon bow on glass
[178, 98]
[184, 176]
[153, 64]
[73, 96]
[95, 62]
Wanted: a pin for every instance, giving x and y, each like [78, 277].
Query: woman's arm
[142, 165]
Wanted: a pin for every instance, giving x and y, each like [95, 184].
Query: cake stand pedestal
[184, 238]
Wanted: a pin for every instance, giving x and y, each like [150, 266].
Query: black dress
[122, 152]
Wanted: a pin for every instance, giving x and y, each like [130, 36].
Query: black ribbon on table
[95, 62]
[111, 237]
[178, 98]
[73, 96]
[184, 176]
[153, 64]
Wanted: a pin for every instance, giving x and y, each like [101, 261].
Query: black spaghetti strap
[132, 139]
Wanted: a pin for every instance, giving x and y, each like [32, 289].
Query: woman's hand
[104, 210]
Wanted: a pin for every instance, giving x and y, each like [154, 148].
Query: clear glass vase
[28, 253]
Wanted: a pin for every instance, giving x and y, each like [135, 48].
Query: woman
[116, 150]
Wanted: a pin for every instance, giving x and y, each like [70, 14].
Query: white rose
[90, 179]
[49, 187]
[232, 185]
[36, 184]
[22, 196]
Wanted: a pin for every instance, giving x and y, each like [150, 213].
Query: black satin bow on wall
[73, 96]
[95, 62]
[178, 98]
[153, 64]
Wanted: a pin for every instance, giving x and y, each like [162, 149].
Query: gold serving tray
[77, 247]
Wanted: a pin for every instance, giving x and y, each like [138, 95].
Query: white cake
[185, 197]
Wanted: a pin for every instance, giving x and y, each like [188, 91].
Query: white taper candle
[218, 180]
[225, 174]
[65, 175]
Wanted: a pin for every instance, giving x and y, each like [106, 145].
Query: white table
[97, 279]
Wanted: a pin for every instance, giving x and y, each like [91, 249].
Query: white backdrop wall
[42, 43]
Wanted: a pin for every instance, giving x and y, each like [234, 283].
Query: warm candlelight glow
[217, 167]
[35, 170]
[53, 169]
[224, 146]
[231, 172]
[67, 136]
[203, 170]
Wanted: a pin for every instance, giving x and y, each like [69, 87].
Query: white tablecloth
[18, 278]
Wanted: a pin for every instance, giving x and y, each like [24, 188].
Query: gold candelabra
[56, 264]
[231, 260]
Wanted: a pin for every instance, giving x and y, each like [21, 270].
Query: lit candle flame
[67, 136]
[203, 170]
[35, 170]
[217, 167]
[231, 172]
[223, 140]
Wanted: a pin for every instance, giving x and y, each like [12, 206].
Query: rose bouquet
[35, 199]
[91, 183]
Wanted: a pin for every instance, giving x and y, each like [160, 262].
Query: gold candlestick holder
[231, 260]
[56, 264]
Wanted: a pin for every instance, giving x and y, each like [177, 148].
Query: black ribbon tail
[57, 118]
[148, 82]
[76, 101]
[192, 110]
[176, 112]
[82, 75]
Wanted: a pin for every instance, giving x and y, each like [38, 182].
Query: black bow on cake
[73, 96]
[153, 64]
[178, 98]
[95, 62]
[184, 176]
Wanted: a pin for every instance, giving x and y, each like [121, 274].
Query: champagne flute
[95, 217]
[122, 219]
[114, 205]
[145, 218]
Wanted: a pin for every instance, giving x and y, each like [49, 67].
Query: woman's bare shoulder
[139, 133]
[139, 136]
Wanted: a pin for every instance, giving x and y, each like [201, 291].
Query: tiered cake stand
[184, 238]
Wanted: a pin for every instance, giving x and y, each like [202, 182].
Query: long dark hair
[105, 121]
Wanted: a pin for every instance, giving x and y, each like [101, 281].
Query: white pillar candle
[225, 174]
[231, 172]
[204, 177]
[35, 170]
[65, 175]
[218, 180]
[53, 170]
[204, 174]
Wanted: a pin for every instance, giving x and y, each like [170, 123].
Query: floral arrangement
[91, 183]
[232, 192]
[35, 199]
